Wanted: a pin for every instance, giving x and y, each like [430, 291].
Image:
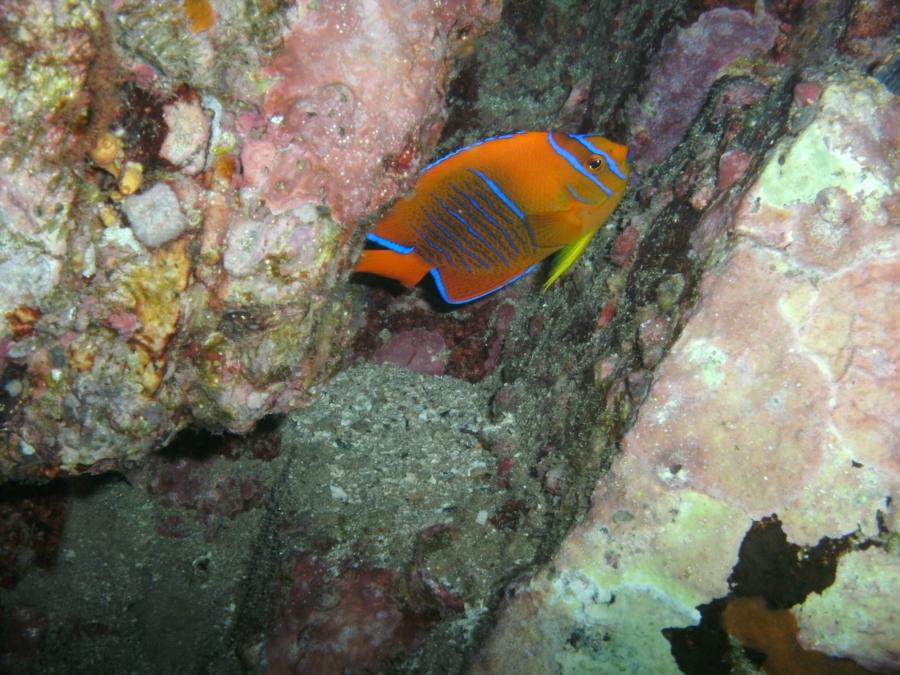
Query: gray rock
[154, 215]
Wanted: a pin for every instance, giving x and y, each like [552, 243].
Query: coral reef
[466, 343]
[708, 397]
[182, 188]
[774, 633]
[358, 608]
[334, 124]
[779, 396]
[31, 522]
[851, 616]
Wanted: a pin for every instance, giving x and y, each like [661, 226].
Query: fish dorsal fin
[566, 256]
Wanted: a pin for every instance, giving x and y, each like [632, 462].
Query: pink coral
[733, 164]
[357, 82]
[209, 486]
[188, 136]
[207, 298]
[418, 349]
[466, 343]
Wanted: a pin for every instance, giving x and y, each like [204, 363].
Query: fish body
[484, 215]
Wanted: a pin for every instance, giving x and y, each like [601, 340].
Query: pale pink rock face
[780, 396]
[863, 579]
[734, 363]
[332, 120]
[188, 136]
[29, 271]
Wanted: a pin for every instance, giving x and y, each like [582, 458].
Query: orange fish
[484, 215]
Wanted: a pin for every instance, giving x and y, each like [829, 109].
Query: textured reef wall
[182, 185]
[778, 399]
[681, 458]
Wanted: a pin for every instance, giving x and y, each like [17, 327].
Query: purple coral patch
[421, 350]
[690, 61]
[348, 624]
[465, 343]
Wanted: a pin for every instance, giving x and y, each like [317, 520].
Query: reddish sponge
[774, 633]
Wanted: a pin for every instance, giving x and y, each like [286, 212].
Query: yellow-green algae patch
[625, 637]
[817, 161]
[855, 614]
[37, 75]
[622, 588]
[710, 361]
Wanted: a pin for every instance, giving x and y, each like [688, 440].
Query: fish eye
[595, 163]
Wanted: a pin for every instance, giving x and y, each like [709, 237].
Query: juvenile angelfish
[484, 215]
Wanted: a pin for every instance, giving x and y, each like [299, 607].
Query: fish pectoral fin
[566, 256]
[555, 229]
[407, 268]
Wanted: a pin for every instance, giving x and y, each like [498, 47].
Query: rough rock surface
[779, 397]
[689, 62]
[389, 524]
[181, 190]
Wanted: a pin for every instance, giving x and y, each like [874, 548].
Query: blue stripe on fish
[431, 245]
[463, 211]
[577, 197]
[472, 234]
[453, 238]
[500, 193]
[439, 283]
[486, 216]
[492, 204]
[510, 204]
[610, 162]
[387, 243]
[499, 137]
[474, 239]
[575, 164]
[491, 226]
[452, 247]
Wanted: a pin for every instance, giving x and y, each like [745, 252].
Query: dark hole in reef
[782, 573]
[195, 444]
[770, 567]
[395, 288]
[268, 424]
[141, 118]
[31, 523]
[756, 657]
[199, 444]
[702, 648]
